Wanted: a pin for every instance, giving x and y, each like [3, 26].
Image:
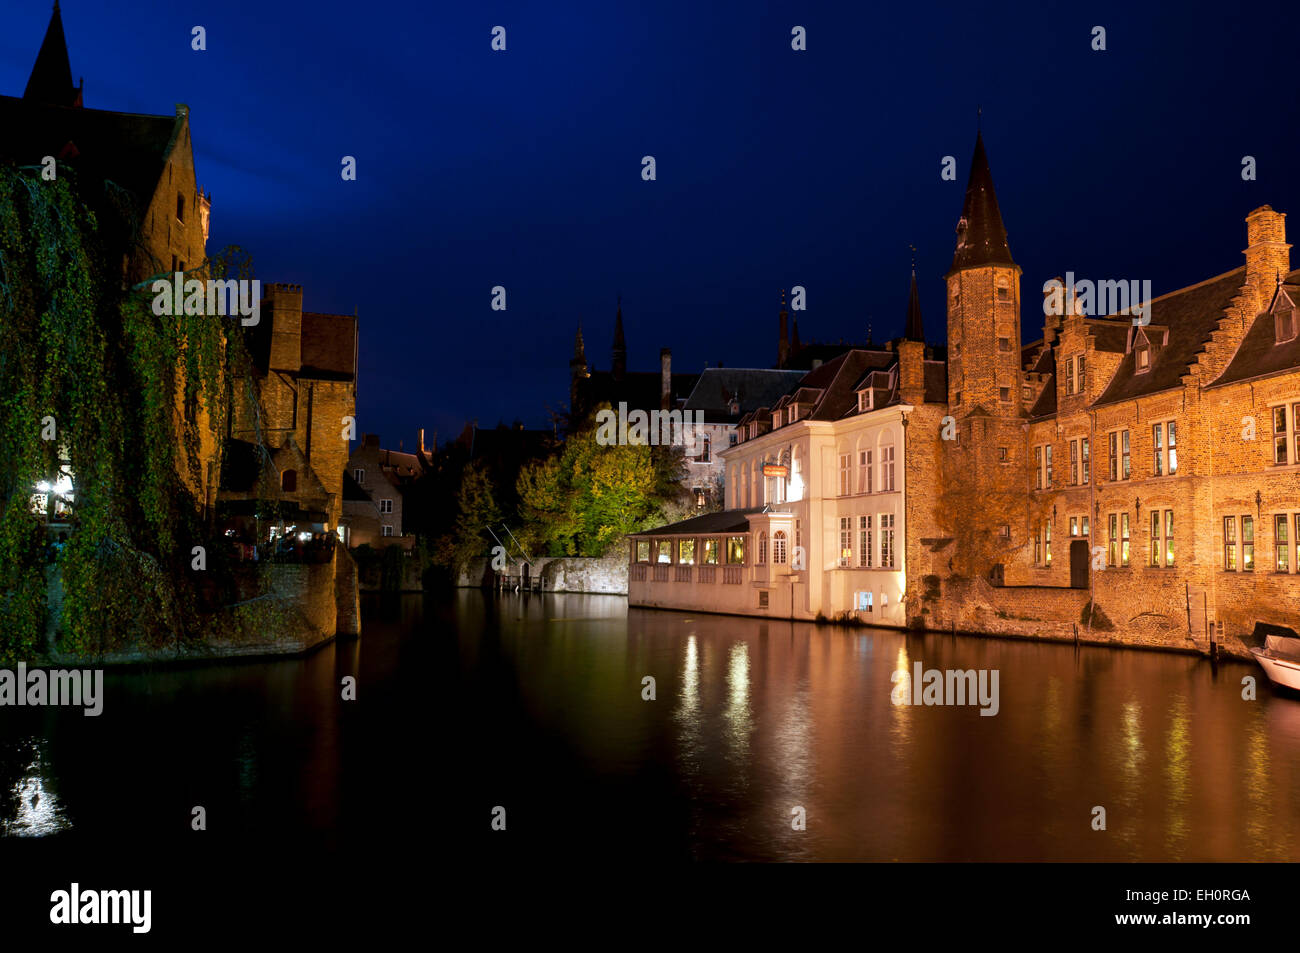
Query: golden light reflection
[738, 715]
[900, 726]
[38, 812]
[1177, 756]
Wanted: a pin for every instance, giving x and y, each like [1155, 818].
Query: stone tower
[983, 305]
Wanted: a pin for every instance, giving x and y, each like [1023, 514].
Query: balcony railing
[732, 575]
[683, 574]
[661, 572]
[708, 574]
[638, 572]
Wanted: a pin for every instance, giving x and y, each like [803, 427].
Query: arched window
[778, 548]
[289, 481]
[762, 548]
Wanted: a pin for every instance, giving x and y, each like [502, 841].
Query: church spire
[51, 79]
[620, 345]
[914, 329]
[981, 236]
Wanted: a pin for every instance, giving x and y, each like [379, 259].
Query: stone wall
[607, 575]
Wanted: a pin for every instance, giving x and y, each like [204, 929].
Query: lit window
[778, 548]
[886, 541]
[686, 552]
[1230, 544]
[665, 551]
[846, 540]
[864, 541]
[1281, 545]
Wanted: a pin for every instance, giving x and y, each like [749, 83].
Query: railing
[638, 572]
[661, 572]
[683, 574]
[731, 575]
[708, 574]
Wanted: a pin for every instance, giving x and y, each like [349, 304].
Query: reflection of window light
[44, 487]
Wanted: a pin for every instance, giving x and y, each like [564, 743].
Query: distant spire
[51, 78]
[981, 236]
[620, 344]
[914, 330]
[579, 348]
[782, 334]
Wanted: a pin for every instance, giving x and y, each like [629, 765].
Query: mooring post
[1214, 645]
[1076, 633]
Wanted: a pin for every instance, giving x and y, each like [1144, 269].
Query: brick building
[136, 173]
[376, 481]
[1145, 461]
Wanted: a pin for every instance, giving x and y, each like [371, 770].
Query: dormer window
[1284, 323]
[776, 420]
[1143, 359]
[794, 412]
[864, 400]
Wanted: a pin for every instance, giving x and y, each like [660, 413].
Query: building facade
[1133, 473]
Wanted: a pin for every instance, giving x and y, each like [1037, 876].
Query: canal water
[467, 702]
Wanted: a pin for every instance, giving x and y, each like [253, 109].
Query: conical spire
[579, 347]
[620, 345]
[51, 79]
[914, 330]
[981, 237]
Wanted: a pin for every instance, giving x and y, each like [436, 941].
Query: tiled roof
[750, 387]
[1259, 355]
[1191, 314]
[981, 236]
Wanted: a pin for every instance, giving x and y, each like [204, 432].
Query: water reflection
[31, 808]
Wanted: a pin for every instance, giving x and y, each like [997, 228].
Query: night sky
[775, 167]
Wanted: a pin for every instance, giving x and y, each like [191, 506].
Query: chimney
[421, 433]
[665, 378]
[911, 372]
[1267, 253]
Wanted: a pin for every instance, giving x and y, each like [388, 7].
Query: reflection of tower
[620, 345]
[577, 370]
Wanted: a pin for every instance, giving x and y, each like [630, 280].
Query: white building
[816, 517]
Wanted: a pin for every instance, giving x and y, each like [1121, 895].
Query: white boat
[1280, 658]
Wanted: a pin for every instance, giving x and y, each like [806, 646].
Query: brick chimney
[911, 372]
[665, 378]
[421, 439]
[283, 305]
[1267, 253]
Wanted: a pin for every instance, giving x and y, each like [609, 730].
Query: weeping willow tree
[89, 373]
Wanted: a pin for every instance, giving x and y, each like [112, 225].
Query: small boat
[1280, 658]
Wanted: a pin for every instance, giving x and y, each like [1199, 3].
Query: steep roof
[1190, 314]
[750, 387]
[639, 389]
[126, 149]
[51, 78]
[981, 236]
[1258, 355]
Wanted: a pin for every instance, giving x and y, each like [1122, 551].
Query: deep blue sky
[775, 168]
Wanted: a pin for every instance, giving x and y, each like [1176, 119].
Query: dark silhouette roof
[51, 78]
[124, 148]
[914, 330]
[981, 237]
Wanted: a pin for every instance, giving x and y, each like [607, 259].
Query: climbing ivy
[131, 395]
